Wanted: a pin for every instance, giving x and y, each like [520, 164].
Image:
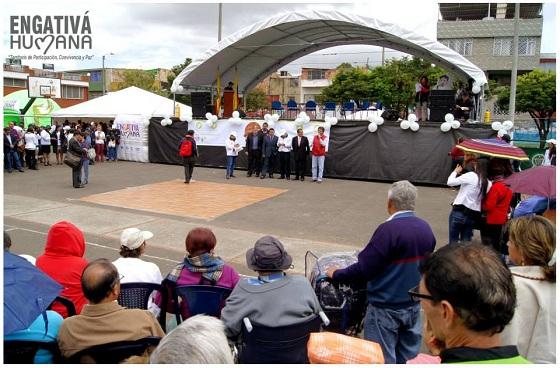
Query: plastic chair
[200, 299]
[136, 295]
[114, 352]
[281, 345]
[292, 108]
[311, 107]
[364, 107]
[23, 351]
[276, 107]
[66, 303]
[347, 107]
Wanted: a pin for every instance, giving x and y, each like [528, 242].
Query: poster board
[134, 137]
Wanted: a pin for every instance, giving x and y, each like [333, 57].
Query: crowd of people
[91, 142]
[474, 306]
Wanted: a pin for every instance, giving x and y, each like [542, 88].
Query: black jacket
[249, 142]
[302, 151]
[74, 147]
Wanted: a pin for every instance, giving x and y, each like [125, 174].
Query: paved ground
[337, 215]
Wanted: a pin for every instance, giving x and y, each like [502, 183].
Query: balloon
[414, 126]
[214, 119]
[445, 127]
[302, 114]
[267, 116]
[496, 125]
[180, 89]
[405, 124]
[166, 116]
[372, 127]
[507, 125]
[502, 132]
[307, 119]
[173, 89]
[455, 124]
[411, 117]
[449, 118]
[334, 121]
[275, 117]
[379, 120]
[476, 89]
[208, 115]
[235, 114]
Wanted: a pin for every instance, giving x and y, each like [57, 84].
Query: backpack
[186, 148]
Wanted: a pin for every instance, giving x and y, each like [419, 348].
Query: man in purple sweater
[389, 263]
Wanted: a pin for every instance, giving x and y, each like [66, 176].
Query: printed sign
[134, 138]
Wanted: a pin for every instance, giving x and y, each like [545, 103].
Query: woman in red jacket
[64, 261]
[496, 207]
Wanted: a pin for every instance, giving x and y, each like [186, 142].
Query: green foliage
[175, 70]
[256, 99]
[536, 95]
[140, 78]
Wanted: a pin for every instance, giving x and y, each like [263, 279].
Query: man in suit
[300, 147]
[269, 152]
[11, 157]
[253, 148]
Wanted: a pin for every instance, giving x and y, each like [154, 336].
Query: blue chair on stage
[364, 107]
[277, 108]
[292, 109]
[347, 107]
[311, 108]
[200, 299]
[329, 106]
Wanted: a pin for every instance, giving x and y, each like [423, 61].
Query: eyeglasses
[416, 296]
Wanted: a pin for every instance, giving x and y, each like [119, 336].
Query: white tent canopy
[128, 101]
[264, 47]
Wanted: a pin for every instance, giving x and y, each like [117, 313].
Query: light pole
[103, 70]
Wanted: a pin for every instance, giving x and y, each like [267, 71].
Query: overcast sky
[152, 35]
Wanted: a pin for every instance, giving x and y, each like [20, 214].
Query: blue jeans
[398, 331]
[85, 171]
[112, 153]
[230, 165]
[317, 166]
[460, 227]
[12, 160]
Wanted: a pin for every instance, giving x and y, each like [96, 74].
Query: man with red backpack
[189, 153]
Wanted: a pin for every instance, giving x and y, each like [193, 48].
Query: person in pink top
[200, 267]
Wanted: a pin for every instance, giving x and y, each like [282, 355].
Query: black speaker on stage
[437, 115]
[391, 115]
[200, 102]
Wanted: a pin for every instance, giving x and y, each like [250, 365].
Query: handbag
[91, 153]
[72, 160]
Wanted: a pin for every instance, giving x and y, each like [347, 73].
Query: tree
[256, 99]
[141, 79]
[536, 95]
[348, 84]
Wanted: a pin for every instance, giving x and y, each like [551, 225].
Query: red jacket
[63, 261]
[316, 148]
[496, 203]
[456, 153]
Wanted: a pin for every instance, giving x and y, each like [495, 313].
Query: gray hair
[200, 339]
[403, 195]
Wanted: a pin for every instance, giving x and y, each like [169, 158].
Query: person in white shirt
[284, 149]
[550, 153]
[466, 212]
[45, 149]
[130, 266]
[31, 144]
[232, 150]
[99, 144]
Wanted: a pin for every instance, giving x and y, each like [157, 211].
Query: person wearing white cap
[550, 153]
[284, 149]
[130, 266]
[232, 150]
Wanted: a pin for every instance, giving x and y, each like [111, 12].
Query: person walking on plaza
[45, 147]
[31, 144]
[318, 150]
[189, 153]
[232, 150]
[99, 144]
[11, 156]
[300, 146]
[284, 148]
[75, 148]
[253, 146]
[389, 264]
[269, 152]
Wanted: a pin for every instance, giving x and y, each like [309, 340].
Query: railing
[71, 76]
[14, 68]
[44, 73]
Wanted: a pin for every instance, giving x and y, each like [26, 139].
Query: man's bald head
[99, 279]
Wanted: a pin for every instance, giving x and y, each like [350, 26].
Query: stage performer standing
[300, 146]
[189, 153]
[422, 95]
[253, 144]
[284, 148]
[318, 150]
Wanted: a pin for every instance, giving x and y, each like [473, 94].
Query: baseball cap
[133, 238]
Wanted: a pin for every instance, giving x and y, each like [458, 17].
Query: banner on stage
[207, 133]
[134, 138]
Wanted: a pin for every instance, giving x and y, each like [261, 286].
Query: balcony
[15, 68]
[315, 83]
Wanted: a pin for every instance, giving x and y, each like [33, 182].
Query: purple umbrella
[540, 180]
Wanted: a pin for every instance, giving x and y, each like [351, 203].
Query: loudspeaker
[438, 114]
[391, 115]
[200, 101]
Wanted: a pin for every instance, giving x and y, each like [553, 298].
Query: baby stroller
[344, 305]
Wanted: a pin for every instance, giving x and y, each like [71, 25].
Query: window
[503, 46]
[12, 82]
[294, 83]
[316, 74]
[72, 92]
[527, 46]
[462, 46]
[95, 76]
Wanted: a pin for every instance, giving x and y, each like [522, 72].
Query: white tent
[128, 101]
[262, 48]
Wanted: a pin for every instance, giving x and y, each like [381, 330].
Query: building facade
[313, 81]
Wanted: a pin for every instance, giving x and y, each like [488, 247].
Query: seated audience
[63, 260]
[198, 340]
[275, 298]
[468, 297]
[200, 267]
[532, 247]
[103, 320]
[129, 265]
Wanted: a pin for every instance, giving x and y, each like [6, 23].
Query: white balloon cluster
[211, 120]
[271, 119]
[502, 128]
[410, 123]
[179, 89]
[187, 116]
[303, 118]
[235, 119]
[450, 122]
[166, 120]
[374, 122]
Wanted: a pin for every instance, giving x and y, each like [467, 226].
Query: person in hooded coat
[64, 261]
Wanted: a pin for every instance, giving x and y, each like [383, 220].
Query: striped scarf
[210, 266]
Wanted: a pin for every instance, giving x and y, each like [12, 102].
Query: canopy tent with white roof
[128, 101]
[262, 48]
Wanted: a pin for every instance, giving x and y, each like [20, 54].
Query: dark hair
[321, 128]
[190, 132]
[482, 172]
[506, 138]
[77, 132]
[299, 129]
[30, 129]
[552, 151]
[271, 129]
[7, 241]
[200, 240]
[130, 253]
[265, 123]
[475, 281]
[97, 289]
